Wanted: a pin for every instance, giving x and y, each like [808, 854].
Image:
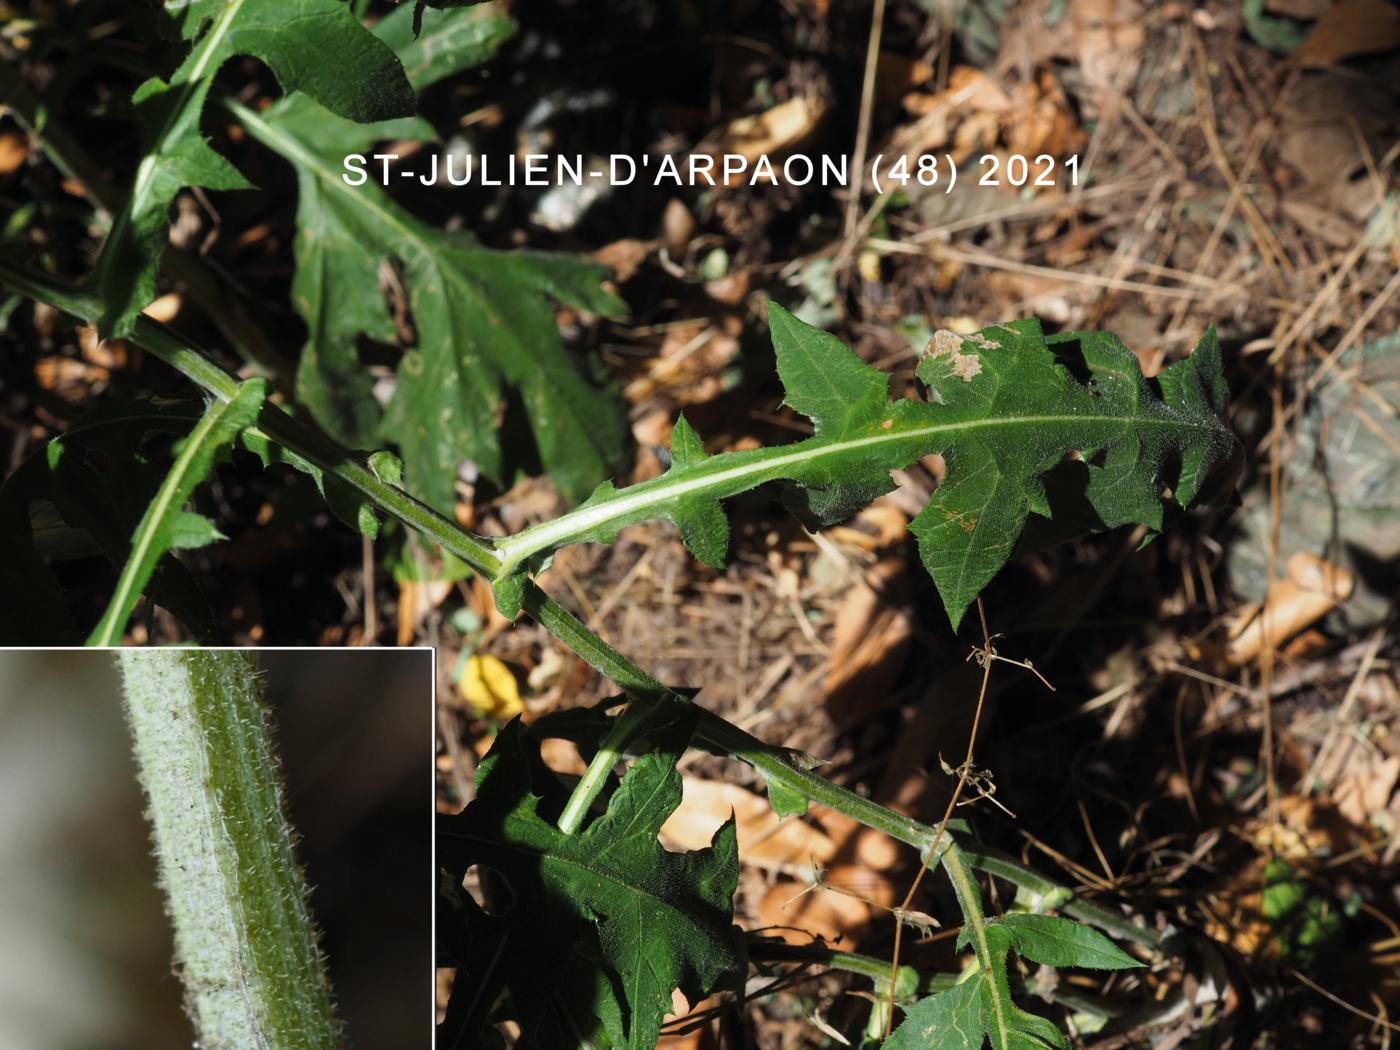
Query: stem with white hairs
[245, 944]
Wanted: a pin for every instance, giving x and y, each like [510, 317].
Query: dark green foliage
[601, 926]
[365, 82]
[82, 495]
[166, 525]
[482, 318]
[1004, 408]
[981, 1009]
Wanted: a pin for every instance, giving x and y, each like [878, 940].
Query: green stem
[244, 938]
[1057, 896]
[218, 427]
[274, 423]
[187, 82]
[975, 922]
[912, 984]
[208, 289]
[713, 732]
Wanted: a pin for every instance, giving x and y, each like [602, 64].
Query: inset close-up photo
[224, 848]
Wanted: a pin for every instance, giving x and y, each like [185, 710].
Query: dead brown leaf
[874, 626]
[895, 74]
[1353, 27]
[623, 257]
[14, 151]
[765, 839]
[416, 600]
[165, 308]
[1311, 589]
[1052, 298]
[690, 363]
[774, 131]
[837, 911]
[562, 756]
[1039, 120]
[677, 227]
[1109, 38]
[1366, 786]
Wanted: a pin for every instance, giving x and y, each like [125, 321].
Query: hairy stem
[713, 732]
[243, 934]
[970, 901]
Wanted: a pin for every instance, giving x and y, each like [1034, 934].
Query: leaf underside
[1063, 429]
[650, 920]
[445, 42]
[482, 323]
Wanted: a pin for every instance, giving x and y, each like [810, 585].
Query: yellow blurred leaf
[489, 687]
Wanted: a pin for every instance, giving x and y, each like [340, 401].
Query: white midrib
[293, 151]
[513, 551]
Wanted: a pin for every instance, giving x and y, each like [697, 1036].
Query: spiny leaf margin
[1005, 410]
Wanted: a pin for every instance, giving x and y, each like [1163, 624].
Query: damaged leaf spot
[949, 344]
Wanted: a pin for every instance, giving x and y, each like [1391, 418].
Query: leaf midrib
[292, 150]
[514, 551]
[431, 254]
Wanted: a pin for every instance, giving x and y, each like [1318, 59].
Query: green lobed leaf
[346, 503]
[482, 318]
[1008, 1026]
[1054, 941]
[177, 156]
[977, 1011]
[786, 801]
[365, 82]
[950, 1020]
[655, 920]
[316, 47]
[1005, 409]
[166, 524]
